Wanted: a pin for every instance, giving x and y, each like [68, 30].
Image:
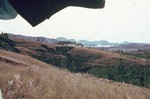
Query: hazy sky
[120, 20]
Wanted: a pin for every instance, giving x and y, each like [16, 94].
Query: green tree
[63, 64]
[73, 67]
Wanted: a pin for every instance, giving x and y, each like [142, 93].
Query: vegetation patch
[6, 43]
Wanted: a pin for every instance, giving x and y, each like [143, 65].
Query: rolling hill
[108, 65]
[31, 39]
[24, 77]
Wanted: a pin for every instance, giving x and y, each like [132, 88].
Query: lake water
[105, 45]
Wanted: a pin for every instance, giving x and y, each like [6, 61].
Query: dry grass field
[103, 58]
[23, 77]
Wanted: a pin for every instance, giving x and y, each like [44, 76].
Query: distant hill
[126, 46]
[72, 40]
[65, 39]
[101, 43]
[32, 39]
[125, 43]
[61, 39]
[96, 43]
[87, 43]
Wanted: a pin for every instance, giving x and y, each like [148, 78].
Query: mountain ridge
[86, 43]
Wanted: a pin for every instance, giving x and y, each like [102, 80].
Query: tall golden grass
[38, 80]
[1, 94]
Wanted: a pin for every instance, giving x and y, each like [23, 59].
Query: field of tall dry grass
[22, 77]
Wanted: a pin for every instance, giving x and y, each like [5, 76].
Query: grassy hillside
[137, 54]
[22, 77]
[6, 43]
[99, 63]
[112, 66]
